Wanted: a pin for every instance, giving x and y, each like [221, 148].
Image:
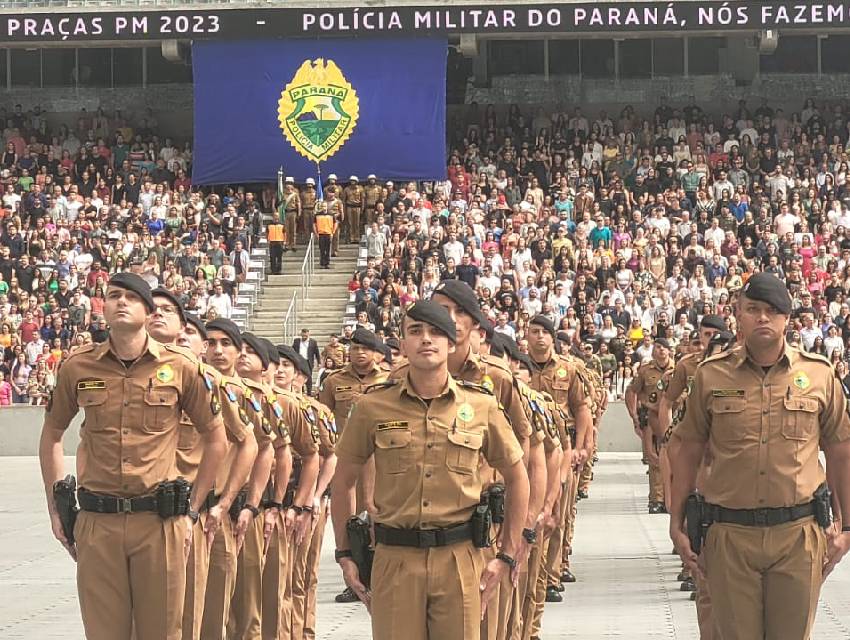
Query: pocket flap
[393, 438]
[728, 405]
[809, 405]
[92, 398]
[466, 439]
[160, 396]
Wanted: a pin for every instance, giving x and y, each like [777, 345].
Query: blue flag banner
[355, 106]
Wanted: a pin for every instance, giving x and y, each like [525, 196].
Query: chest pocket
[393, 450]
[93, 403]
[560, 390]
[463, 450]
[344, 400]
[728, 418]
[799, 419]
[160, 408]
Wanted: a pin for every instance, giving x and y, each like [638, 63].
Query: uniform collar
[789, 356]
[450, 388]
[472, 361]
[152, 347]
[372, 370]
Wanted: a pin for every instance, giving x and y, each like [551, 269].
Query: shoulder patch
[183, 351]
[86, 348]
[814, 356]
[477, 387]
[497, 363]
[378, 386]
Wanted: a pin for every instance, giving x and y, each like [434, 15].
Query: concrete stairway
[324, 309]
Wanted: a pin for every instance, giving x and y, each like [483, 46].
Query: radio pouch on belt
[496, 500]
[695, 521]
[360, 538]
[823, 506]
[65, 501]
[481, 522]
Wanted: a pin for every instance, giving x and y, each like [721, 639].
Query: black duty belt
[100, 503]
[423, 538]
[766, 517]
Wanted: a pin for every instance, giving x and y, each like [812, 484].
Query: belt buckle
[125, 505]
[428, 538]
[760, 517]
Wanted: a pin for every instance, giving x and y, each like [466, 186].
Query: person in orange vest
[325, 226]
[277, 236]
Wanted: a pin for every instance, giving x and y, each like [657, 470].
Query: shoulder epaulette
[378, 386]
[183, 351]
[472, 385]
[498, 363]
[715, 357]
[85, 348]
[814, 356]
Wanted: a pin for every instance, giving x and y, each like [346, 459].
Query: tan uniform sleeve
[303, 432]
[62, 406]
[326, 393]
[501, 448]
[578, 391]
[235, 428]
[327, 432]
[253, 408]
[274, 417]
[197, 399]
[509, 398]
[678, 382]
[695, 425]
[834, 422]
[357, 442]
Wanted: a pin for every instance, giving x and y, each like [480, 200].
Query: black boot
[347, 596]
[552, 595]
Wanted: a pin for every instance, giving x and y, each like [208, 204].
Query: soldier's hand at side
[241, 528]
[190, 536]
[652, 456]
[59, 534]
[490, 579]
[548, 524]
[837, 546]
[303, 523]
[269, 524]
[575, 460]
[289, 519]
[582, 456]
[351, 576]
[683, 547]
[211, 524]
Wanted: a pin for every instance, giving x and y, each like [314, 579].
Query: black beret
[303, 366]
[196, 322]
[488, 328]
[134, 283]
[497, 345]
[287, 353]
[563, 336]
[365, 338]
[509, 346]
[462, 295]
[525, 361]
[162, 292]
[227, 327]
[544, 322]
[385, 349]
[663, 342]
[393, 343]
[271, 350]
[435, 315]
[722, 339]
[257, 347]
[766, 287]
[713, 321]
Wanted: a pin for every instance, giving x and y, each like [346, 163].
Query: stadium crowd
[622, 228]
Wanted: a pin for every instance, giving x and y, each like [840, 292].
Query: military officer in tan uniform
[339, 391]
[334, 350]
[223, 348]
[353, 196]
[292, 218]
[645, 392]
[167, 324]
[131, 547]
[372, 194]
[308, 207]
[764, 409]
[259, 520]
[427, 432]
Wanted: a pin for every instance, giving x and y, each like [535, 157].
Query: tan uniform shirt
[262, 407]
[292, 202]
[335, 353]
[372, 195]
[649, 383]
[353, 196]
[308, 199]
[561, 378]
[341, 389]
[132, 415]
[540, 409]
[189, 444]
[678, 382]
[427, 454]
[328, 433]
[234, 390]
[299, 420]
[764, 429]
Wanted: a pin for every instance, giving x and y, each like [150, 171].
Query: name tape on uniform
[727, 393]
[88, 385]
[395, 424]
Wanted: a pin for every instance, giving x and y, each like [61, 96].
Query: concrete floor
[626, 589]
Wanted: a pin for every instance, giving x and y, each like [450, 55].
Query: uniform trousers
[494, 626]
[221, 582]
[291, 225]
[704, 617]
[325, 249]
[246, 608]
[276, 256]
[197, 569]
[311, 582]
[277, 584]
[559, 558]
[764, 581]
[352, 217]
[427, 594]
[131, 575]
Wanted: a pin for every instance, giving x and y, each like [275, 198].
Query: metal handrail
[308, 267]
[290, 320]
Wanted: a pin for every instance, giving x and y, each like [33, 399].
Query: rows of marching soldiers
[205, 473]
